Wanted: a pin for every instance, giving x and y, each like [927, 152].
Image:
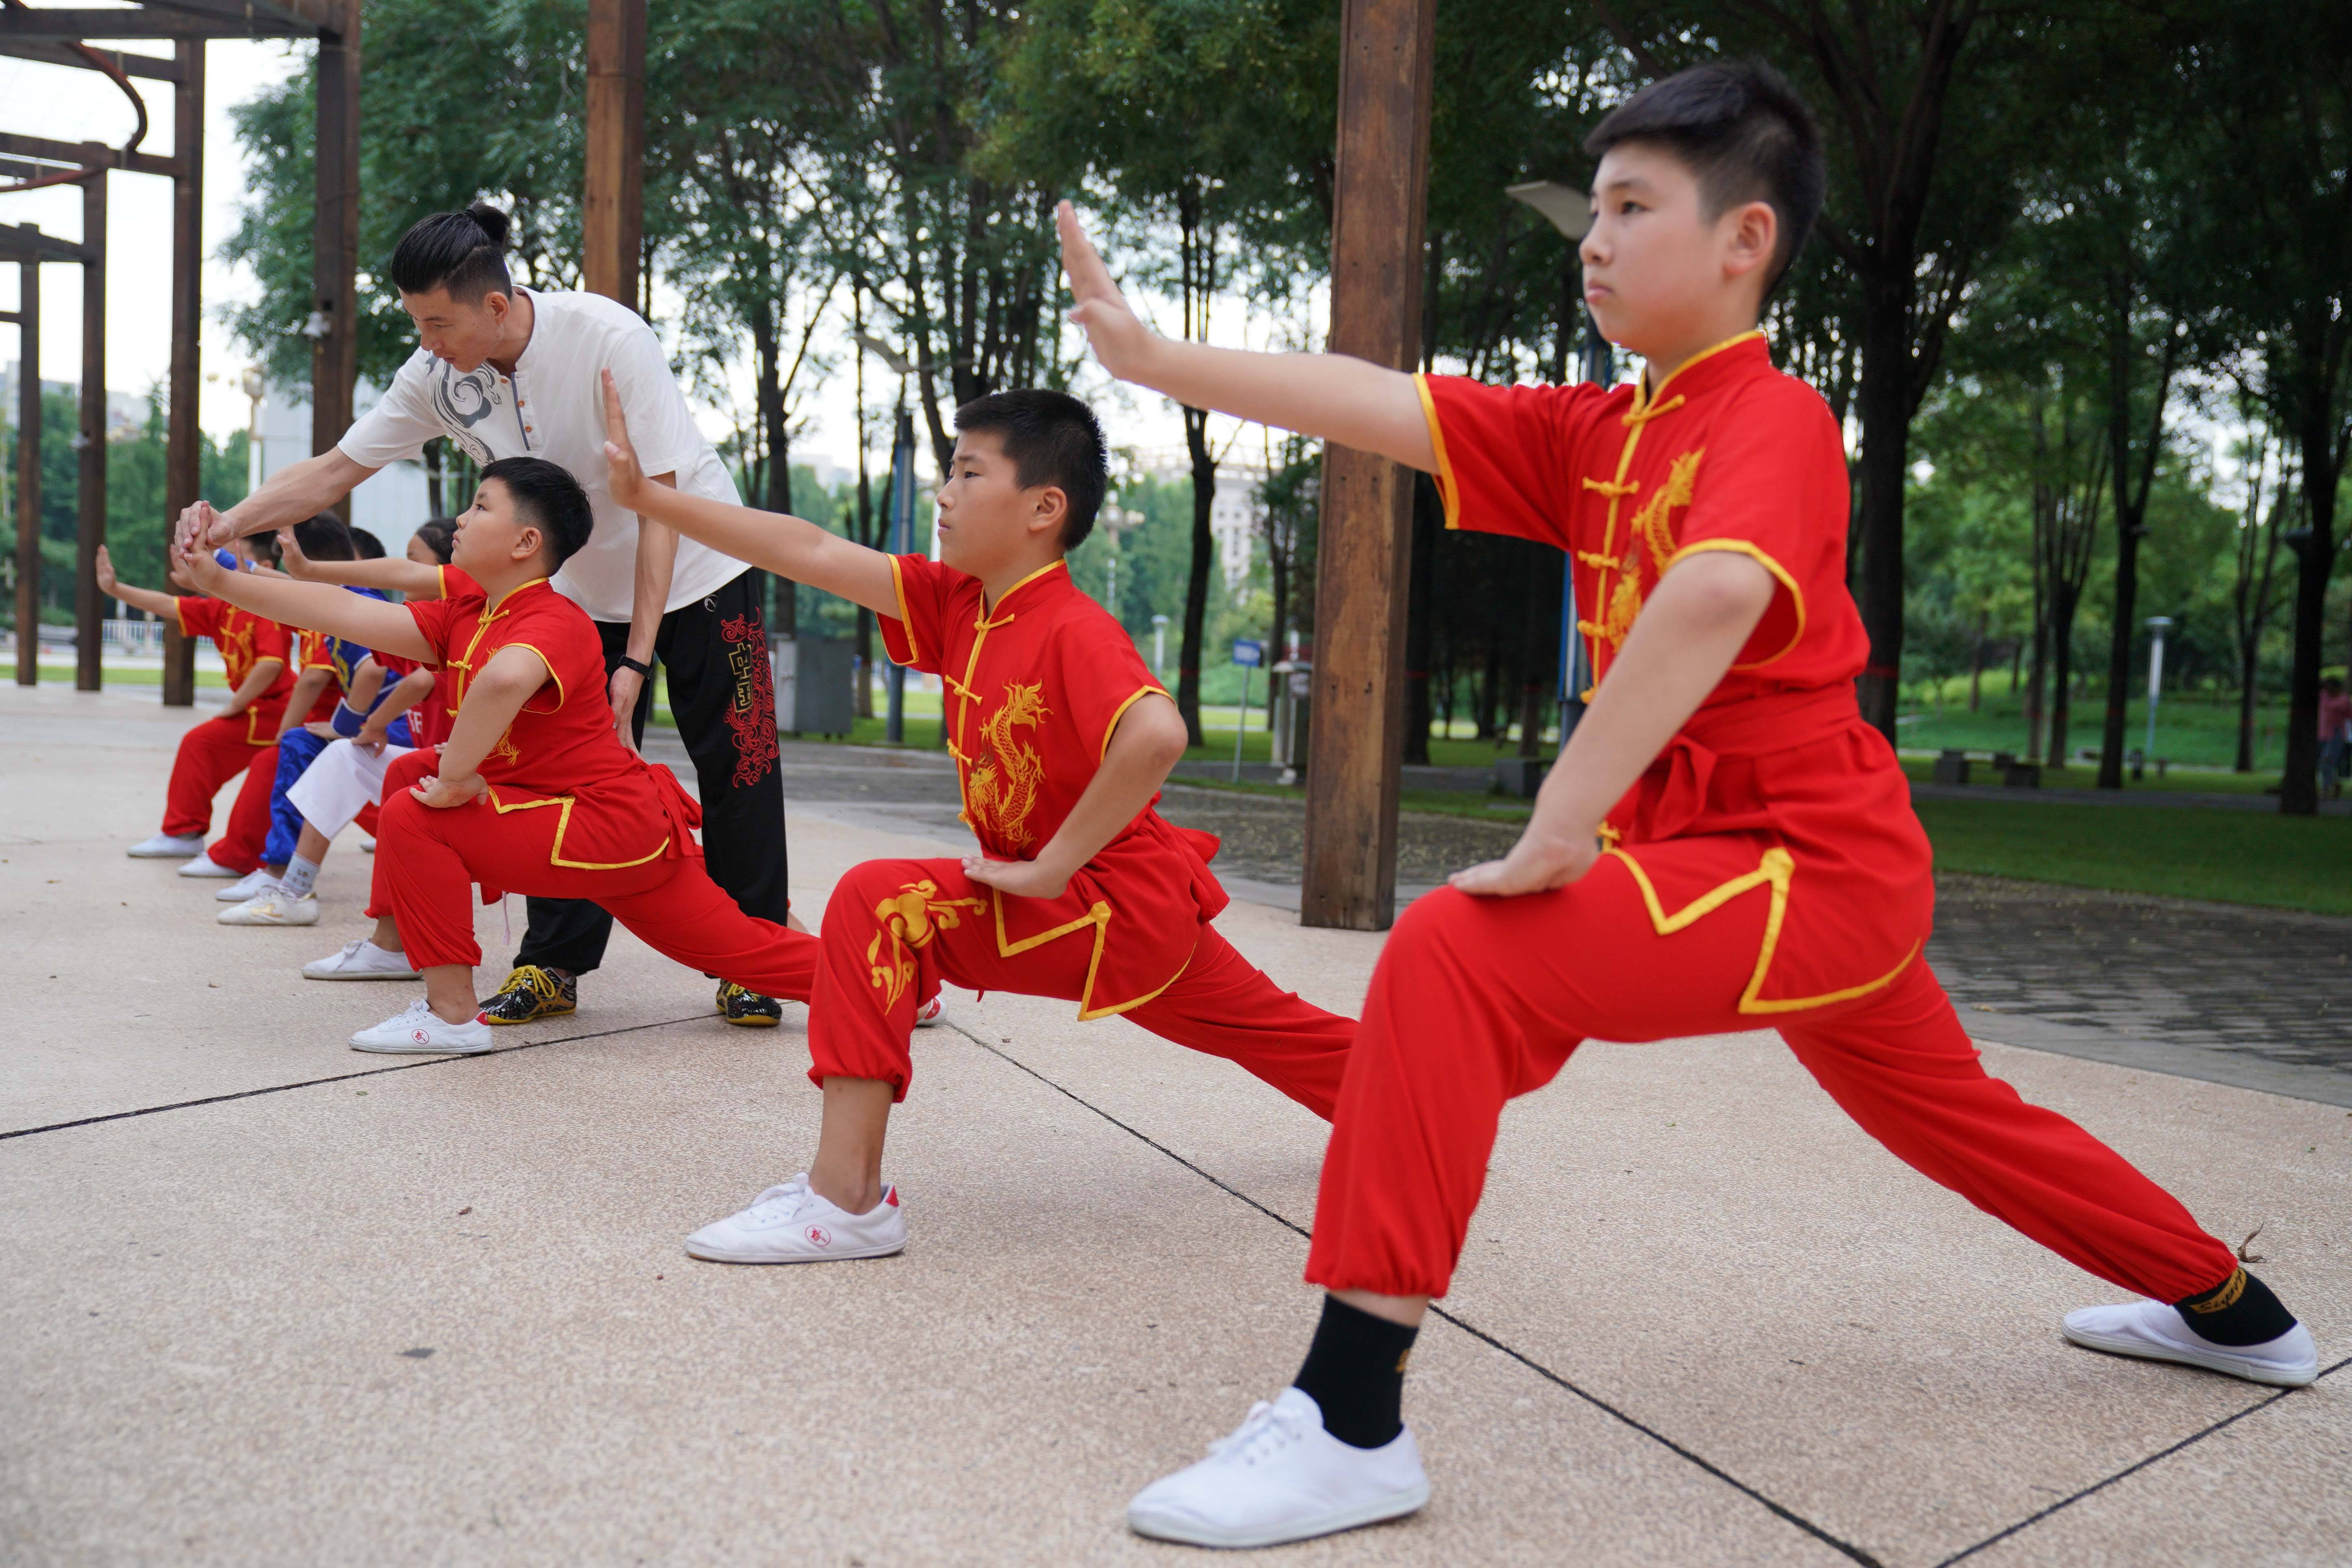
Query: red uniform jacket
[245, 639]
[1776, 770]
[1034, 689]
[559, 753]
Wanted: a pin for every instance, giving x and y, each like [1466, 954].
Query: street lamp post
[1159, 644]
[2156, 625]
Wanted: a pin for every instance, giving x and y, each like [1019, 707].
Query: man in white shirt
[506, 371]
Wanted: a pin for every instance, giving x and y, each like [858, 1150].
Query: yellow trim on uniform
[1732, 342]
[499, 608]
[1100, 918]
[179, 622]
[1776, 870]
[1448, 491]
[906, 619]
[562, 826]
[1742, 547]
[1059, 562]
[551, 672]
[1154, 690]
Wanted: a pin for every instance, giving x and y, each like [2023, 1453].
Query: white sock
[299, 876]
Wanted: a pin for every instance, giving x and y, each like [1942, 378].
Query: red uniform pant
[210, 754]
[425, 858]
[1477, 1000]
[865, 1000]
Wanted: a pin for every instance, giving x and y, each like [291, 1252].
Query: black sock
[2240, 1310]
[1355, 1373]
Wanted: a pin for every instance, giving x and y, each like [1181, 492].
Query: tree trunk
[2119, 648]
[1975, 666]
[2064, 603]
[1542, 610]
[2247, 653]
[1420, 616]
[1196, 583]
[2037, 687]
[1885, 399]
[432, 491]
[2322, 467]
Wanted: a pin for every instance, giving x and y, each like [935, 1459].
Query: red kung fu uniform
[571, 812]
[1034, 685]
[220, 748]
[1767, 870]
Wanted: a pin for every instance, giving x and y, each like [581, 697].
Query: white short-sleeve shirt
[553, 407]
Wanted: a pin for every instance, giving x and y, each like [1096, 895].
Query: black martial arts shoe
[531, 992]
[746, 1009]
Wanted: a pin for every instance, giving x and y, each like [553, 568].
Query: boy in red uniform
[255, 652]
[1723, 846]
[1062, 740]
[532, 791]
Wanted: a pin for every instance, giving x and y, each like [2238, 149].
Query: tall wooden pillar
[183, 449]
[1365, 548]
[89, 524]
[335, 233]
[28, 470]
[613, 219]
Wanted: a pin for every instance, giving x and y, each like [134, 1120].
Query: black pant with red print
[714, 654]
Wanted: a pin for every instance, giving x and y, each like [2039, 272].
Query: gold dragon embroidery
[908, 920]
[1002, 788]
[1653, 528]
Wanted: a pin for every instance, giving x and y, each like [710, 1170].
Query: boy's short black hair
[440, 536]
[370, 547]
[546, 494]
[324, 537]
[1743, 133]
[463, 252]
[1052, 439]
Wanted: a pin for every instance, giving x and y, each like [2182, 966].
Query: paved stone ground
[2216, 991]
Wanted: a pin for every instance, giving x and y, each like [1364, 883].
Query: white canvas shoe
[367, 845]
[1280, 1476]
[928, 1015]
[419, 1031]
[792, 1225]
[273, 906]
[2156, 1331]
[165, 846]
[245, 886]
[360, 960]
[204, 865]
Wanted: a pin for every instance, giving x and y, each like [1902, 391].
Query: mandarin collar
[1035, 588]
[1732, 359]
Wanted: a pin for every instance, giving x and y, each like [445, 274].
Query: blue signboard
[1248, 653]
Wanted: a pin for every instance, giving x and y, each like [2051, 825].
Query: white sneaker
[273, 906]
[360, 960]
[165, 846]
[245, 886]
[419, 1031]
[1280, 1476]
[928, 1015]
[204, 865]
[792, 1225]
[2156, 1331]
[367, 845]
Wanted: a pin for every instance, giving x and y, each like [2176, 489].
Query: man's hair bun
[494, 223]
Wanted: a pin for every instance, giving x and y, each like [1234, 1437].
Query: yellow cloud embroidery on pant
[908, 920]
[1006, 778]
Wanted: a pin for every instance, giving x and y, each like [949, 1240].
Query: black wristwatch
[638, 665]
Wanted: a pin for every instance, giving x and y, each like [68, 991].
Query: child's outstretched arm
[392, 573]
[155, 604]
[317, 606]
[788, 546]
[1148, 743]
[308, 688]
[1351, 401]
[1688, 633]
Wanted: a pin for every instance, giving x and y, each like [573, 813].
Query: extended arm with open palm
[320, 606]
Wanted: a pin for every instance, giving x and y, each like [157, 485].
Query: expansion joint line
[341, 1077]
[1777, 1510]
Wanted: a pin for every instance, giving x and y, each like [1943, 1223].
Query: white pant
[342, 779]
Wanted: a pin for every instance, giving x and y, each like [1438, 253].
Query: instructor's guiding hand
[442, 793]
[1119, 338]
[626, 477]
[1536, 864]
[192, 566]
[1021, 879]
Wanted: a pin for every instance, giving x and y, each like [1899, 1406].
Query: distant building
[1234, 512]
[390, 505]
[125, 411]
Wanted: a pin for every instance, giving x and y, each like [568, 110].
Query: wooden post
[28, 470]
[612, 221]
[335, 233]
[89, 522]
[183, 449]
[1378, 199]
